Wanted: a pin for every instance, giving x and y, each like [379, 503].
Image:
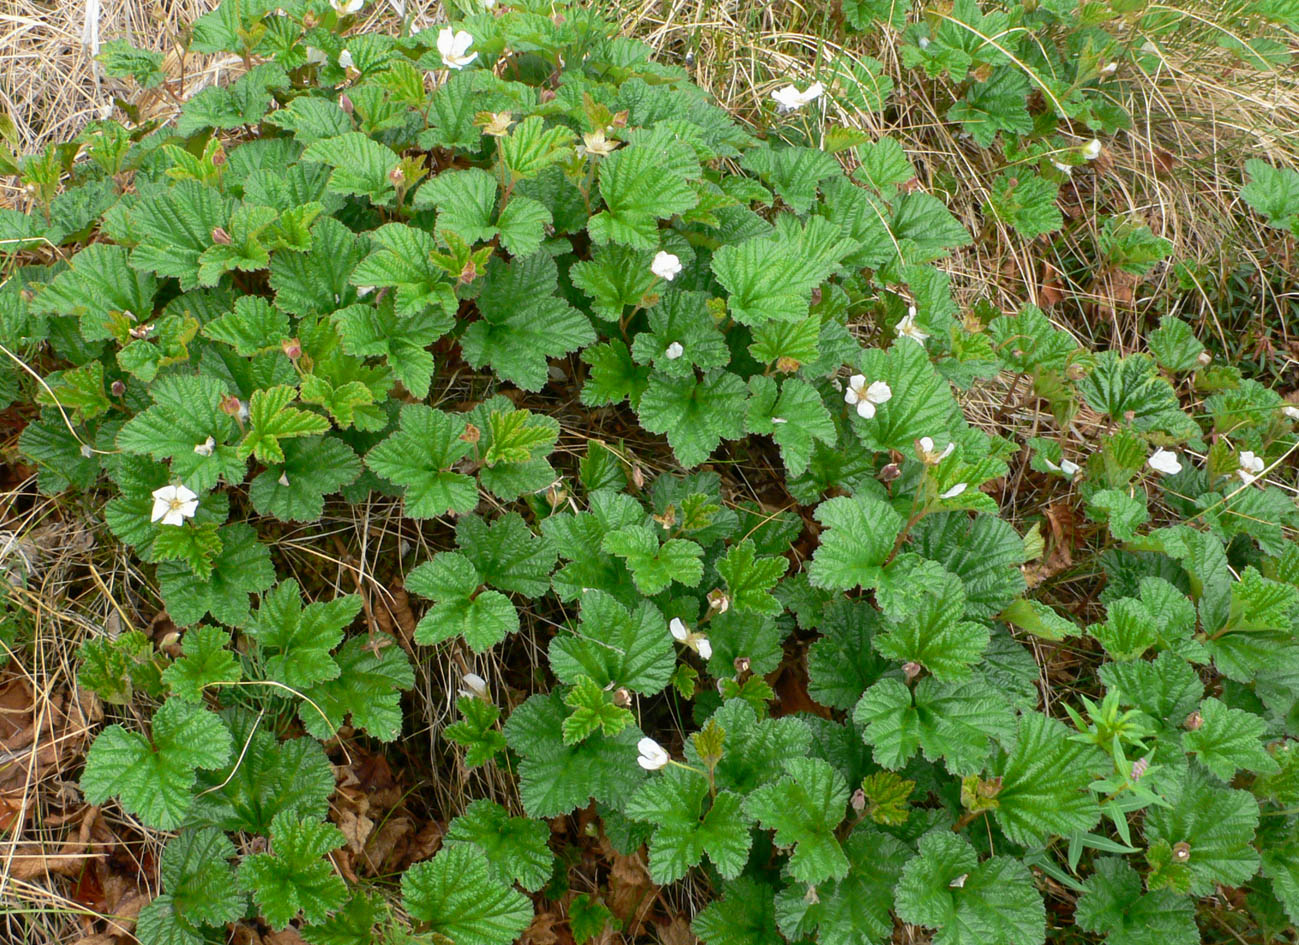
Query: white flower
[928, 455]
[87, 451]
[283, 480]
[923, 42]
[1069, 467]
[677, 627]
[1066, 169]
[1109, 68]
[173, 504]
[475, 687]
[779, 420]
[665, 266]
[316, 56]
[956, 490]
[1291, 411]
[907, 327]
[1251, 467]
[866, 398]
[1092, 149]
[652, 756]
[345, 7]
[205, 448]
[594, 142]
[705, 648]
[674, 351]
[790, 99]
[345, 59]
[1164, 461]
[453, 45]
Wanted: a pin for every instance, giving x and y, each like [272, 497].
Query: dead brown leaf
[677, 932]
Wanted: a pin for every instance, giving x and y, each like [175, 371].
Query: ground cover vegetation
[545, 504]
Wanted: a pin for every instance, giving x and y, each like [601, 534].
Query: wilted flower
[789, 98]
[346, 7]
[1164, 461]
[1092, 149]
[1251, 467]
[704, 648]
[205, 448]
[474, 686]
[453, 45]
[956, 490]
[665, 266]
[498, 124]
[677, 627]
[316, 57]
[173, 504]
[867, 398]
[907, 328]
[1291, 411]
[928, 455]
[674, 351]
[652, 756]
[596, 143]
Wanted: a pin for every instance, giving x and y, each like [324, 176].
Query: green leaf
[593, 711]
[844, 663]
[122, 60]
[531, 147]
[377, 331]
[197, 545]
[1044, 783]
[478, 731]
[928, 228]
[749, 578]
[934, 634]
[1229, 739]
[1273, 192]
[921, 403]
[243, 567]
[294, 642]
[455, 896]
[200, 889]
[860, 535]
[154, 777]
[1131, 246]
[945, 887]
[523, 322]
[362, 166]
[271, 419]
[1174, 344]
[615, 646]
[98, 282]
[265, 777]
[516, 847]
[292, 878]
[186, 411]
[1130, 390]
[884, 164]
[295, 490]
[368, 688]
[654, 566]
[887, 797]
[641, 183]
[461, 608]
[403, 260]
[794, 418]
[804, 808]
[206, 661]
[555, 778]
[772, 277]
[1026, 202]
[744, 915]
[1114, 905]
[855, 909]
[996, 105]
[507, 553]
[956, 722]
[253, 327]
[421, 456]
[695, 414]
[673, 803]
[793, 173]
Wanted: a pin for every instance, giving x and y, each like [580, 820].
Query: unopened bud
[1194, 721]
[811, 897]
[619, 119]
[911, 670]
[890, 472]
[345, 103]
[858, 800]
[292, 348]
[397, 176]
[718, 601]
[637, 477]
[219, 156]
[547, 95]
[622, 697]
[117, 388]
[556, 495]
[219, 235]
[1205, 359]
[742, 665]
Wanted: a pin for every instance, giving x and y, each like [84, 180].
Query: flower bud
[345, 104]
[117, 388]
[219, 235]
[1194, 721]
[292, 348]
